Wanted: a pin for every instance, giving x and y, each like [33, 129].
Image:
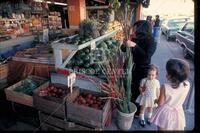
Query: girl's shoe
[142, 123]
[148, 121]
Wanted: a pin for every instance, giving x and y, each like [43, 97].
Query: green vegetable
[28, 85]
[103, 45]
[86, 65]
[87, 51]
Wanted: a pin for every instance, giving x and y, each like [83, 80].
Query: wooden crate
[20, 97]
[52, 105]
[48, 122]
[3, 71]
[89, 116]
[48, 127]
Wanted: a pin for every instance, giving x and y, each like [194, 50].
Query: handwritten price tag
[71, 79]
[93, 45]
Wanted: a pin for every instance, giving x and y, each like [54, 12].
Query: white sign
[71, 79]
[45, 35]
[93, 45]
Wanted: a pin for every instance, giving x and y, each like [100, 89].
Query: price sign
[45, 35]
[93, 45]
[71, 79]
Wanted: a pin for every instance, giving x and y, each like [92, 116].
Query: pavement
[23, 122]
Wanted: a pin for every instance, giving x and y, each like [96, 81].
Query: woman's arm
[161, 98]
[148, 52]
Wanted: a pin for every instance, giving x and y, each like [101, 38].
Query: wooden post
[138, 11]
[76, 12]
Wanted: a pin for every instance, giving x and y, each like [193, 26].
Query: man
[157, 21]
[149, 19]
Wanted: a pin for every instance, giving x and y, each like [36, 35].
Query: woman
[143, 47]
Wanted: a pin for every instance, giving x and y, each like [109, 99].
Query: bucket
[125, 120]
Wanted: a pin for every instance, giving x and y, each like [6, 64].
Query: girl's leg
[149, 114]
[142, 109]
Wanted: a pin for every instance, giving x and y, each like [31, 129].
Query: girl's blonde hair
[154, 68]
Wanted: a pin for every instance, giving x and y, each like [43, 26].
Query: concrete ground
[18, 125]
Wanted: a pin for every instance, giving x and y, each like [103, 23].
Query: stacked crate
[64, 114]
[52, 112]
[3, 75]
[93, 117]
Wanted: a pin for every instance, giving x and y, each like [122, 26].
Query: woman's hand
[129, 43]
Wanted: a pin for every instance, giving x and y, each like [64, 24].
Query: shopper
[149, 19]
[149, 93]
[156, 29]
[169, 114]
[143, 47]
[157, 21]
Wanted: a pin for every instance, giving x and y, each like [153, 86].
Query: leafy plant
[118, 68]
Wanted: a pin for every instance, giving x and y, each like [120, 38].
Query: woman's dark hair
[143, 29]
[177, 70]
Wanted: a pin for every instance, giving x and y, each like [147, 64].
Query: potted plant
[118, 70]
[118, 87]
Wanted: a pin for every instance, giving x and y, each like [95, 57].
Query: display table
[19, 70]
[10, 47]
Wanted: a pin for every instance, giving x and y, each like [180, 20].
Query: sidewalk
[135, 126]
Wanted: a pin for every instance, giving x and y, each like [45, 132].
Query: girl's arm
[158, 90]
[161, 98]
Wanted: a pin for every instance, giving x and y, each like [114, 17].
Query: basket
[3, 71]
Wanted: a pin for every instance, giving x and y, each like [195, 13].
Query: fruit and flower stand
[54, 100]
[79, 85]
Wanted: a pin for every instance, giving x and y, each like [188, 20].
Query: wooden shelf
[58, 47]
[97, 7]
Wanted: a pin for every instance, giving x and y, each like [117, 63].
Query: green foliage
[122, 82]
[88, 28]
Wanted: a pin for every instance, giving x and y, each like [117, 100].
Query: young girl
[169, 114]
[149, 92]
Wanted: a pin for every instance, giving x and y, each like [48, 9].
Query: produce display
[38, 54]
[53, 91]
[109, 27]
[89, 27]
[119, 36]
[113, 25]
[28, 85]
[77, 40]
[90, 100]
[87, 61]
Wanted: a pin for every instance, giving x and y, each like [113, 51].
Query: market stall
[64, 80]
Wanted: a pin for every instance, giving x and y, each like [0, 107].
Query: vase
[124, 120]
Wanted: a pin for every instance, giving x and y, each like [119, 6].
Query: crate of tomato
[88, 109]
[51, 97]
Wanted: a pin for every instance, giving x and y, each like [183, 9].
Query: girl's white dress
[171, 115]
[150, 94]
